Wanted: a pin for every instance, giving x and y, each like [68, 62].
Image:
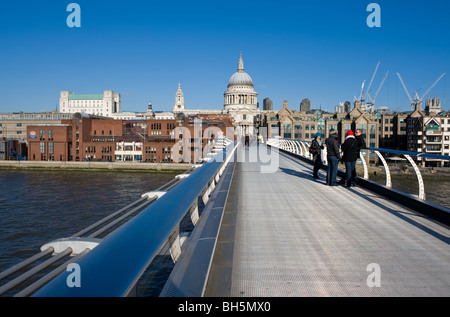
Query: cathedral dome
[240, 78]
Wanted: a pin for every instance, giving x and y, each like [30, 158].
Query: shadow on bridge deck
[286, 234]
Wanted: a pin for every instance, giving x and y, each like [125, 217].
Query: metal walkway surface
[286, 234]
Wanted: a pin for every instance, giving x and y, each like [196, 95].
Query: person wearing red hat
[349, 157]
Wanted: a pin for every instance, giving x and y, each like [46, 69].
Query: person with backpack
[315, 149]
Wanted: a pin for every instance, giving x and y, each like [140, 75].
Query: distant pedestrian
[315, 149]
[333, 157]
[247, 140]
[350, 155]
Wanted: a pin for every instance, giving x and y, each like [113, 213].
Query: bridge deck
[287, 234]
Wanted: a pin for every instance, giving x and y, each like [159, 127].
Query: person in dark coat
[361, 145]
[315, 149]
[361, 141]
[350, 155]
[333, 156]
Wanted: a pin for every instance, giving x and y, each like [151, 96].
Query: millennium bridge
[250, 221]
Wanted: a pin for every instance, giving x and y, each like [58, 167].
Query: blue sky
[321, 50]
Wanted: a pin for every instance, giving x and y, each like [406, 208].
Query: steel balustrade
[290, 145]
[115, 265]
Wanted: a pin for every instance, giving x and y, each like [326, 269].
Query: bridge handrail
[113, 268]
[299, 147]
[417, 154]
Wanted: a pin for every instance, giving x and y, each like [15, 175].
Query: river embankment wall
[97, 165]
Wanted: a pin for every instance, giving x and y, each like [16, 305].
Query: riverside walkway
[287, 234]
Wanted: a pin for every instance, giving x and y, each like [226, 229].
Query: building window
[42, 147]
[287, 131]
[298, 131]
[50, 147]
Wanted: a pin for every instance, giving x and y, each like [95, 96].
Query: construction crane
[371, 101]
[361, 95]
[373, 76]
[418, 100]
[366, 96]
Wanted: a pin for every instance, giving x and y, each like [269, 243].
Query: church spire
[179, 100]
[241, 64]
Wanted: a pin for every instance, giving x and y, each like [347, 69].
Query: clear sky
[321, 50]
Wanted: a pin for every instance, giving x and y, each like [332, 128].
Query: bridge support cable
[47, 278]
[25, 263]
[8, 286]
[104, 220]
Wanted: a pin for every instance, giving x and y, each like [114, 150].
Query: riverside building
[13, 131]
[91, 138]
[104, 104]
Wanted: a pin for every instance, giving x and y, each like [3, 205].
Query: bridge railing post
[419, 176]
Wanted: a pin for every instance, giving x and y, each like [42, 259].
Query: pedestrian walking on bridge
[315, 149]
[333, 156]
[350, 155]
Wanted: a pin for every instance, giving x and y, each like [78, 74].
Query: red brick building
[144, 140]
[49, 142]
